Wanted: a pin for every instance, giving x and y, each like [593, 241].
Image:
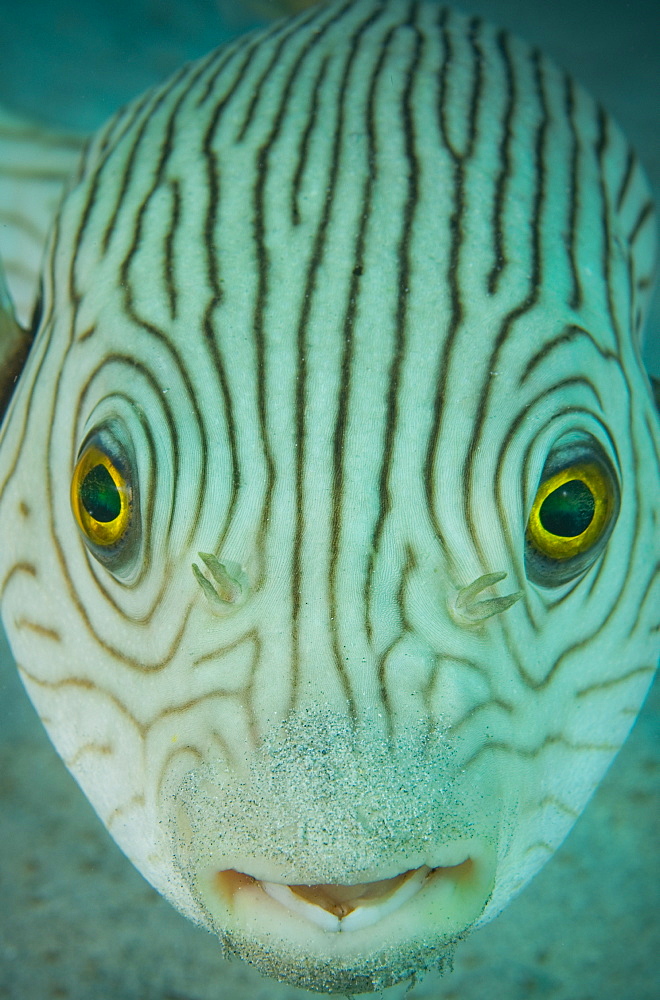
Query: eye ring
[102, 498]
[573, 513]
[579, 496]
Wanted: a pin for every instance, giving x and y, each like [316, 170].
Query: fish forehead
[273, 271]
[302, 132]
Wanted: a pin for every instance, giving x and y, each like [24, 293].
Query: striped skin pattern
[339, 293]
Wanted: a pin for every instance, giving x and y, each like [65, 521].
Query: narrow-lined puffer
[329, 488]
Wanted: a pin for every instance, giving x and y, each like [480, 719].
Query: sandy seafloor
[76, 920]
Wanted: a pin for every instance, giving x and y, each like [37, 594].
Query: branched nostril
[466, 610]
[226, 588]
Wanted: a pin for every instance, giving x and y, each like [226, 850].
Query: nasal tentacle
[466, 610]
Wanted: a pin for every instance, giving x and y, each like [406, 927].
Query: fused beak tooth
[334, 907]
[371, 910]
[348, 907]
[323, 918]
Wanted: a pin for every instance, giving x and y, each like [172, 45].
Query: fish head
[334, 532]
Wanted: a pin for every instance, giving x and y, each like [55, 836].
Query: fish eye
[103, 497]
[570, 511]
[572, 515]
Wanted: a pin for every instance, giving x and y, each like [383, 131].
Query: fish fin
[15, 343]
[36, 166]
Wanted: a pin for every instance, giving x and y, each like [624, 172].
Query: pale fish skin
[337, 301]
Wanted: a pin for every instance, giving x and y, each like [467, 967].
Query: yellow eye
[574, 511]
[101, 498]
[571, 511]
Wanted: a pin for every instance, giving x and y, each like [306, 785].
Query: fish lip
[302, 943]
[334, 906]
[261, 869]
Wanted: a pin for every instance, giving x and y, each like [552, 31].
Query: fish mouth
[336, 907]
[366, 930]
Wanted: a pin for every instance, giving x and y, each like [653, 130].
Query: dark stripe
[14, 569]
[387, 699]
[614, 682]
[504, 175]
[601, 147]
[222, 59]
[262, 157]
[401, 319]
[651, 430]
[303, 149]
[536, 279]
[159, 99]
[456, 242]
[169, 277]
[213, 340]
[292, 28]
[531, 753]
[576, 298]
[346, 369]
[654, 575]
[568, 336]
[625, 180]
[645, 213]
[316, 258]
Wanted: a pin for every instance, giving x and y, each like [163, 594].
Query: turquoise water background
[76, 920]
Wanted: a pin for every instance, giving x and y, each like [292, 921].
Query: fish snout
[335, 844]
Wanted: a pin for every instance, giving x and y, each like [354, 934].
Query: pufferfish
[329, 486]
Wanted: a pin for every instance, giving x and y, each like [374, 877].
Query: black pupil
[99, 495]
[568, 510]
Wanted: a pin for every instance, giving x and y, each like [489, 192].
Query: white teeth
[347, 907]
[369, 912]
[316, 914]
